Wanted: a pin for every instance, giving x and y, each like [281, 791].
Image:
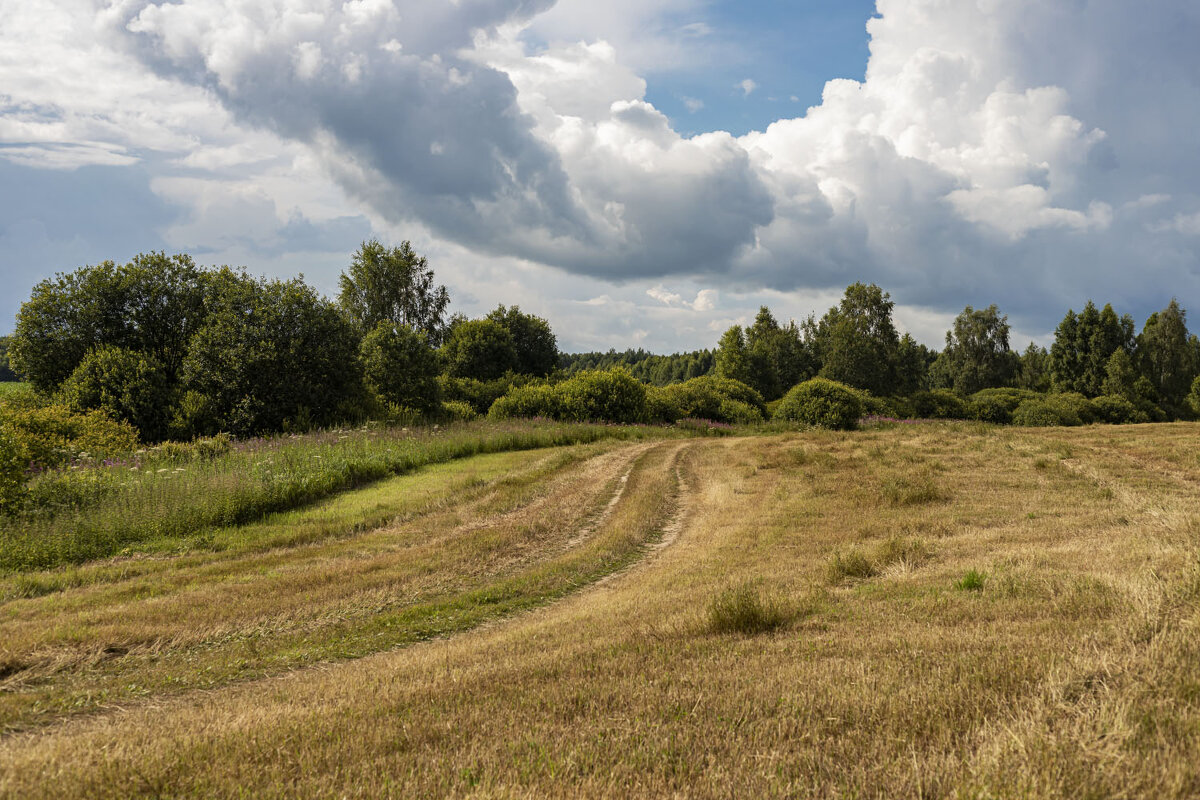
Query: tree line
[1096, 353]
[179, 351]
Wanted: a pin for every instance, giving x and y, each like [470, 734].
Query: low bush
[717, 399]
[13, 460]
[528, 402]
[939, 404]
[1075, 405]
[1044, 414]
[998, 405]
[661, 408]
[821, 403]
[124, 384]
[745, 609]
[1118, 411]
[736, 412]
[458, 411]
[54, 435]
[612, 395]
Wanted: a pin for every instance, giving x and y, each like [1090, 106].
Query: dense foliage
[821, 403]
[393, 285]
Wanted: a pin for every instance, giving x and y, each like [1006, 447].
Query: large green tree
[1168, 356]
[481, 349]
[395, 285]
[857, 341]
[1083, 344]
[533, 341]
[152, 305]
[272, 352]
[6, 372]
[732, 357]
[400, 366]
[976, 354]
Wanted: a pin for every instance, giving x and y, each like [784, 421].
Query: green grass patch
[973, 581]
[128, 507]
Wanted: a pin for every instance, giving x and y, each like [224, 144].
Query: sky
[641, 173]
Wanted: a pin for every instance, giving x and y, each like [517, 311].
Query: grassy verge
[124, 507]
[409, 559]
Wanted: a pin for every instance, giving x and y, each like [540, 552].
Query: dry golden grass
[1072, 672]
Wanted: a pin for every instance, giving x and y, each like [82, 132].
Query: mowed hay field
[932, 610]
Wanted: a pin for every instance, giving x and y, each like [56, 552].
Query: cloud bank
[1028, 153]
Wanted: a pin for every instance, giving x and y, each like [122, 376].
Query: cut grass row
[469, 542]
[133, 508]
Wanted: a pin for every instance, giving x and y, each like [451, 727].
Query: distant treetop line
[180, 351]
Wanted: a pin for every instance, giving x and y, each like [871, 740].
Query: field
[924, 610]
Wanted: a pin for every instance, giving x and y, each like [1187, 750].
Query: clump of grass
[899, 550]
[973, 581]
[746, 609]
[853, 564]
[911, 491]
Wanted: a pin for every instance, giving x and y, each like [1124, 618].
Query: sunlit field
[920, 610]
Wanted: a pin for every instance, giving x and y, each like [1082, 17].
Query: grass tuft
[852, 564]
[971, 582]
[746, 609]
[912, 491]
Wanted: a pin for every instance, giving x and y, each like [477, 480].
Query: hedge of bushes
[614, 395]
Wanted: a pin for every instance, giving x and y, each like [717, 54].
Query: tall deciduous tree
[533, 341]
[1168, 355]
[396, 285]
[271, 352]
[977, 355]
[858, 341]
[400, 366]
[480, 348]
[733, 358]
[152, 305]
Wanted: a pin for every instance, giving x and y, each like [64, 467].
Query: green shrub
[194, 416]
[458, 411]
[13, 460]
[661, 407]
[821, 403]
[1044, 414]
[745, 609]
[1077, 405]
[400, 366]
[997, 405]
[527, 402]
[1118, 411]
[613, 395]
[481, 394]
[53, 435]
[706, 397]
[736, 412]
[939, 404]
[124, 384]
